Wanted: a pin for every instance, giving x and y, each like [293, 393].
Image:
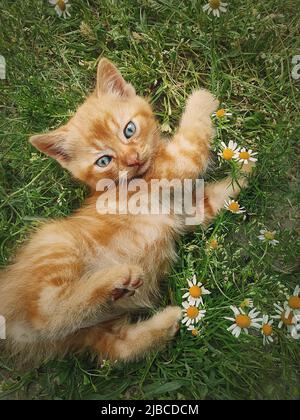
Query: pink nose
[133, 159]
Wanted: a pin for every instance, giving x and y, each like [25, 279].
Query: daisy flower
[268, 236]
[192, 314]
[229, 151]
[222, 113]
[234, 207]
[195, 331]
[216, 7]
[293, 303]
[243, 321]
[61, 7]
[267, 330]
[195, 292]
[247, 303]
[213, 244]
[245, 156]
[290, 321]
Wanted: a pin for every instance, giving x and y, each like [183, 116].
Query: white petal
[238, 332]
[235, 310]
[185, 320]
[287, 312]
[232, 327]
[253, 313]
[58, 11]
[280, 308]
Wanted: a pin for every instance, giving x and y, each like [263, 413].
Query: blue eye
[103, 161]
[129, 130]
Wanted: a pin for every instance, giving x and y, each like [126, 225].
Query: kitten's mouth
[143, 167]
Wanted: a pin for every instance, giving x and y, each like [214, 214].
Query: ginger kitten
[74, 283]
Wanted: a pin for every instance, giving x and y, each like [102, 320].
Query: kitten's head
[114, 130]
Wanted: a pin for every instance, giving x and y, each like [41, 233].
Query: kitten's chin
[143, 168]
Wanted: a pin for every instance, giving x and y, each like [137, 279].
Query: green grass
[165, 48]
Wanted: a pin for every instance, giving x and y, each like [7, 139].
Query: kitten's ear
[53, 144]
[110, 80]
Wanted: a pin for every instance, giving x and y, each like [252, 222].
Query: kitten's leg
[216, 193]
[64, 308]
[187, 154]
[130, 341]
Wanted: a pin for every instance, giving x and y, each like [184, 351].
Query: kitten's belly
[149, 242]
[146, 240]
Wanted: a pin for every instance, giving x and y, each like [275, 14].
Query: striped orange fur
[76, 281]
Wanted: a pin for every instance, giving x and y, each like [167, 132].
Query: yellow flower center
[214, 4]
[220, 113]
[269, 235]
[214, 244]
[243, 321]
[244, 155]
[192, 312]
[195, 291]
[234, 207]
[195, 332]
[294, 302]
[228, 154]
[61, 4]
[267, 330]
[288, 320]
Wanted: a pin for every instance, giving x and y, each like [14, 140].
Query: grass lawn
[166, 48]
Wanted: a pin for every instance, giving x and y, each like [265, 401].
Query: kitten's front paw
[202, 100]
[131, 280]
[248, 168]
[169, 320]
